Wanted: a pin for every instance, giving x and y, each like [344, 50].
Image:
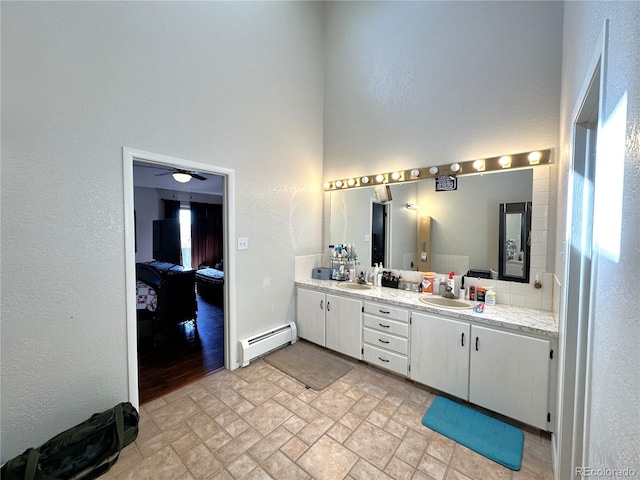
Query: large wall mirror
[465, 225]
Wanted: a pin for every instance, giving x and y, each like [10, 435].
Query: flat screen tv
[166, 240]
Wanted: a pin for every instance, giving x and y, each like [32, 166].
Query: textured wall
[235, 85]
[613, 440]
[425, 83]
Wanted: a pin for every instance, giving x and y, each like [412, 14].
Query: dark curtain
[171, 208]
[206, 234]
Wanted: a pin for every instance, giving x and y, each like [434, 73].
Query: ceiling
[150, 175]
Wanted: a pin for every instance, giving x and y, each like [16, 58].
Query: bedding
[210, 284]
[147, 299]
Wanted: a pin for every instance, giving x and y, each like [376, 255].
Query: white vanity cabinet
[386, 337]
[440, 353]
[505, 372]
[509, 374]
[310, 308]
[331, 321]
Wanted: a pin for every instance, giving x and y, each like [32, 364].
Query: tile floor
[259, 423]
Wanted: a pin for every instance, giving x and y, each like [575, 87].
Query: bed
[210, 283]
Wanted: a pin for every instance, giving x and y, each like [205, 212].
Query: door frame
[230, 333]
[580, 271]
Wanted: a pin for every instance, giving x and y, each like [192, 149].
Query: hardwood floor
[182, 355]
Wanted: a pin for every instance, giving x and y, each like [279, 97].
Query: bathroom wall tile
[540, 172]
[503, 287]
[541, 185]
[540, 211]
[539, 236]
[547, 303]
[533, 302]
[518, 300]
[503, 298]
[539, 223]
[518, 288]
[538, 248]
[540, 198]
[538, 261]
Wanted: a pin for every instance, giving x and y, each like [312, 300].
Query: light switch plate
[243, 243]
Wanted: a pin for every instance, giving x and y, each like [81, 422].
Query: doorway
[184, 351]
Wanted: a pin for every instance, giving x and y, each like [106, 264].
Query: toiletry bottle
[481, 293]
[442, 289]
[490, 296]
[451, 284]
[472, 293]
[375, 275]
[380, 275]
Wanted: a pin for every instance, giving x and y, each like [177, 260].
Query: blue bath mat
[489, 437]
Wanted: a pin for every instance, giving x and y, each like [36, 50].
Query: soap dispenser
[451, 283]
[375, 274]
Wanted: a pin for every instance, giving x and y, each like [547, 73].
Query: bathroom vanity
[502, 359]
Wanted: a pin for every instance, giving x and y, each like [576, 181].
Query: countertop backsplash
[507, 293]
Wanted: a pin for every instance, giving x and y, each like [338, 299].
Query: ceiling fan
[183, 176]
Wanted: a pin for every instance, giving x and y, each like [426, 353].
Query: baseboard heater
[258, 345]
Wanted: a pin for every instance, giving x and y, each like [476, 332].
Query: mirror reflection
[464, 223]
[515, 242]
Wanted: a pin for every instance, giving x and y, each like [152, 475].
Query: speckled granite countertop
[523, 319]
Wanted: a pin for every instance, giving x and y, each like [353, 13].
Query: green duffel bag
[83, 452]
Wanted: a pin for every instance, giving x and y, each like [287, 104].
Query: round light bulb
[534, 157]
[327, 186]
[395, 176]
[455, 167]
[478, 165]
[434, 170]
[364, 180]
[379, 178]
[339, 183]
[505, 161]
[351, 182]
[415, 172]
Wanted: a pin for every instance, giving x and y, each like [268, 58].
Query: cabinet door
[510, 374]
[310, 308]
[440, 353]
[344, 325]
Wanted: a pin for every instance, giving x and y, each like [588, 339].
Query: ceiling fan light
[181, 177]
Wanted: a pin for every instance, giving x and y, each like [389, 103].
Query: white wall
[236, 85]
[614, 423]
[412, 84]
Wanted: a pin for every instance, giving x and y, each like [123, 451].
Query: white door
[344, 325]
[509, 374]
[310, 310]
[440, 353]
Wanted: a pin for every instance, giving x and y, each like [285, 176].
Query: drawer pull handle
[383, 360]
[476, 344]
[321, 304]
[383, 341]
[462, 339]
[328, 303]
[382, 311]
[384, 326]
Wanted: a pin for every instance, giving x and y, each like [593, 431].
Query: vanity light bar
[493, 164]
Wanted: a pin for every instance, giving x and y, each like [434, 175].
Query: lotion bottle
[375, 274]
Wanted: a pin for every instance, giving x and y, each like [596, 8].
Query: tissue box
[321, 273]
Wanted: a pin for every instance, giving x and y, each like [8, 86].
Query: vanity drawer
[382, 310]
[386, 341]
[385, 359]
[385, 325]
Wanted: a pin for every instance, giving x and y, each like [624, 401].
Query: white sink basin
[355, 286]
[442, 302]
